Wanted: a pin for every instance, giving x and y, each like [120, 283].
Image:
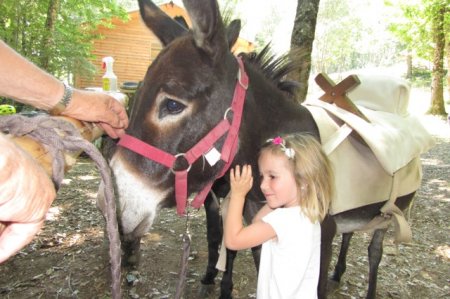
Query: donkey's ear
[163, 26]
[207, 26]
[233, 30]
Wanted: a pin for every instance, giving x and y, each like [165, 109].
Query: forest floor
[68, 258]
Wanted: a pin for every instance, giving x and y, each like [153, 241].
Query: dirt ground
[68, 259]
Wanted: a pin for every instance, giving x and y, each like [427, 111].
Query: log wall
[133, 47]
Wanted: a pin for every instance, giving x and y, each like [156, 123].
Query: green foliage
[421, 77]
[228, 11]
[351, 35]
[412, 24]
[23, 27]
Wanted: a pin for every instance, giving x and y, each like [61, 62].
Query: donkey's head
[185, 93]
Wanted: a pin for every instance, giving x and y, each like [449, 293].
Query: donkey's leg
[250, 209]
[131, 243]
[214, 237]
[131, 252]
[226, 286]
[341, 264]
[214, 232]
[328, 228]
[375, 254]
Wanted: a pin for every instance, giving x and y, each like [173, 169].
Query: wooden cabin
[133, 47]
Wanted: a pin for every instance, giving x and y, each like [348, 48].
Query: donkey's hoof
[132, 261]
[206, 291]
[209, 277]
[131, 253]
[332, 286]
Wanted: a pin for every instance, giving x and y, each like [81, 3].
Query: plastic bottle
[109, 78]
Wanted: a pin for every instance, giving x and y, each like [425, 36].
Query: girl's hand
[241, 181]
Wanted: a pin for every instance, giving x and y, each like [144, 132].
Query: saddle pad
[381, 92]
[360, 178]
[395, 140]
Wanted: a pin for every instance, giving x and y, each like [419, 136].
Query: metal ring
[226, 112]
[181, 155]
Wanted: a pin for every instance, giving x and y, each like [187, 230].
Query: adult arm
[25, 82]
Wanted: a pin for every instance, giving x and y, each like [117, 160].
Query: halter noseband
[229, 148]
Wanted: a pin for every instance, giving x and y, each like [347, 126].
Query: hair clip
[289, 152]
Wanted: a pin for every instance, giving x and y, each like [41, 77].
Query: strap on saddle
[391, 213]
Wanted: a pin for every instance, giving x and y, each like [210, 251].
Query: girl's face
[277, 180]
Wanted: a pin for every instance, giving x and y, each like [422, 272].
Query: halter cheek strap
[228, 152]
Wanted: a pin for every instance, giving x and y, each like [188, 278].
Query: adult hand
[99, 108]
[22, 80]
[26, 193]
[241, 181]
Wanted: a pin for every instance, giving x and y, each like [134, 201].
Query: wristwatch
[64, 102]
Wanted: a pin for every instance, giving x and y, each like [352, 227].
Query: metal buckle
[176, 157]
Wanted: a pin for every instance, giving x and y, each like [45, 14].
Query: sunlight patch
[443, 251]
[92, 195]
[432, 162]
[87, 177]
[153, 237]
[76, 239]
[53, 214]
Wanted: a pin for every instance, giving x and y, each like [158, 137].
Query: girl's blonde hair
[312, 171]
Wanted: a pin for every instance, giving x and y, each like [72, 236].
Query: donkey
[192, 120]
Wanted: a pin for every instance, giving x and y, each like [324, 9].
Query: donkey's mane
[275, 68]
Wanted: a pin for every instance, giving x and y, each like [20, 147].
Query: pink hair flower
[277, 140]
[289, 152]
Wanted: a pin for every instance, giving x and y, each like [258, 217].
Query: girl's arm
[261, 213]
[236, 235]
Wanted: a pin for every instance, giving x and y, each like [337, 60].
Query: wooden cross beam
[337, 94]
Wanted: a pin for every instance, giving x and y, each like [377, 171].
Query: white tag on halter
[212, 156]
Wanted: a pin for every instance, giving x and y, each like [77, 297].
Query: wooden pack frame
[337, 93]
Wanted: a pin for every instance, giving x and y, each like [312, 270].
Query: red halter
[229, 148]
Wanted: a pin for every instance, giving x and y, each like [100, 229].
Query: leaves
[352, 35]
[412, 23]
[24, 28]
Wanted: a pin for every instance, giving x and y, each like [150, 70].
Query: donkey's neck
[272, 112]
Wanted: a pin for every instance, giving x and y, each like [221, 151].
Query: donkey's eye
[173, 107]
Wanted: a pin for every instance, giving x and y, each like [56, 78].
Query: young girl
[297, 182]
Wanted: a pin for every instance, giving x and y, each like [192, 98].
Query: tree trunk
[437, 84]
[408, 65]
[447, 51]
[302, 40]
[47, 37]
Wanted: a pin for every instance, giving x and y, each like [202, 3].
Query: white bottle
[109, 78]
